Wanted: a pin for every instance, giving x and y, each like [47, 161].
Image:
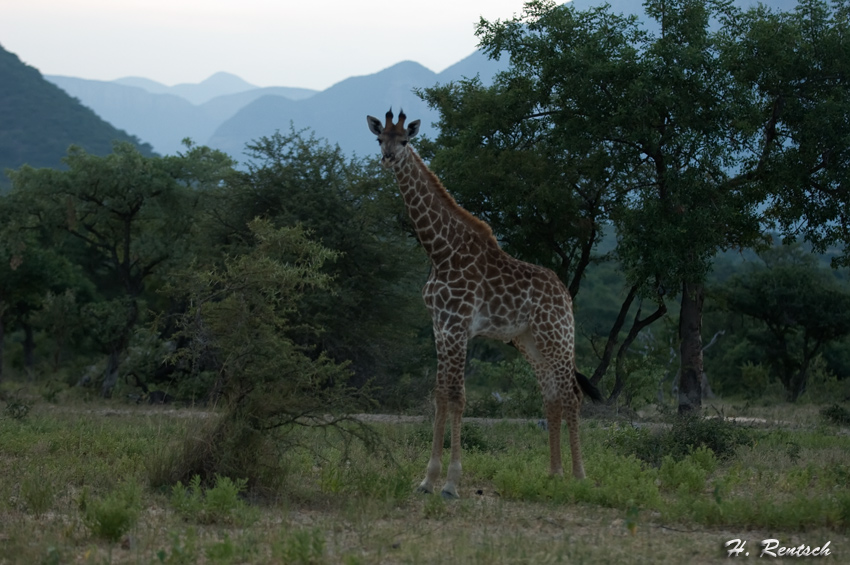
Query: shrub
[216, 505]
[267, 383]
[685, 435]
[114, 515]
[519, 395]
[836, 414]
[754, 377]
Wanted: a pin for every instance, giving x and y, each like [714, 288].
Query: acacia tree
[619, 124]
[798, 66]
[125, 218]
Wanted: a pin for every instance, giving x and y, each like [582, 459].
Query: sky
[299, 43]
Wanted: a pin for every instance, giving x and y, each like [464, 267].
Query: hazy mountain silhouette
[164, 119]
[40, 121]
[338, 114]
[165, 115]
[218, 85]
[227, 112]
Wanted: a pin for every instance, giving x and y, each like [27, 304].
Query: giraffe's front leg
[435, 465]
[457, 401]
[450, 338]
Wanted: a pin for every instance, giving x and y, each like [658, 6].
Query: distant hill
[39, 121]
[338, 113]
[162, 119]
[165, 115]
[219, 84]
[161, 114]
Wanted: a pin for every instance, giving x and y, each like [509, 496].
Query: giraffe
[477, 289]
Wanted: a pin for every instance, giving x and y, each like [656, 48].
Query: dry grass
[357, 506]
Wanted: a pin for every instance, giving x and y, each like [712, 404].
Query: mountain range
[38, 121]
[226, 112]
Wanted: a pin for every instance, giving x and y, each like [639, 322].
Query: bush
[217, 505]
[114, 515]
[686, 435]
[267, 384]
[519, 396]
[754, 377]
[836, 414]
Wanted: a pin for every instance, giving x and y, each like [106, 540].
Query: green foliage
[683, 476]
[799, 308]
[835, 414]
[113, 515]
[267, 384]
[373, 316]
[302, 547]
[219, 504]
[684, 437]
[38, 492]
[184, 549]
[16, 407]
[754, 380]
[515, 384]
[122, 220]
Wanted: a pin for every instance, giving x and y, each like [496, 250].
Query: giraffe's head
[393, 138]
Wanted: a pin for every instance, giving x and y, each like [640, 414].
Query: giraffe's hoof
[449, 494]
[423, 489]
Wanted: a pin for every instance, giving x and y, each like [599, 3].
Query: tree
[798, 68]
[30, 270]
[372, 318]
[125, 218]
[650, 122]
[238, 316]
[801, 307]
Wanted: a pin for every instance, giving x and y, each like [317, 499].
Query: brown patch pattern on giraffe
[476, 289]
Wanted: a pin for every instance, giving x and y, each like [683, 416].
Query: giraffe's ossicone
[476, 289]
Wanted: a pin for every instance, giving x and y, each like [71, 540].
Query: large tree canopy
[600, 121]
[125, 217]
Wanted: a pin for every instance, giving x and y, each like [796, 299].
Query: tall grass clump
[113, 515]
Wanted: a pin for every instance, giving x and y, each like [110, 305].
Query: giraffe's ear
[412, 128]
[374, 125]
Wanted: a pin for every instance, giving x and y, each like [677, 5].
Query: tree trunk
[637, 326]
[611, 343]
[110, 375]
[29, 346]
[2, 335]
[690, 340]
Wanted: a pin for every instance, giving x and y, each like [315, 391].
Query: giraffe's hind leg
[552, 401]
[573, 408]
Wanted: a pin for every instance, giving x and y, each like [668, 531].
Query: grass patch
[80, 491]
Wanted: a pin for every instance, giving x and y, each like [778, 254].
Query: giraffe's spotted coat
[476, 289]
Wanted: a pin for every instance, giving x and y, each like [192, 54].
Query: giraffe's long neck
[441, 225]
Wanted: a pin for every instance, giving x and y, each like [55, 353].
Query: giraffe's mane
[478, 225]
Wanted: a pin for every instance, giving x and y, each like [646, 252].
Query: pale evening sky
[301, 43]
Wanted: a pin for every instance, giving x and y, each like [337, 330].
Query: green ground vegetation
[80, 486]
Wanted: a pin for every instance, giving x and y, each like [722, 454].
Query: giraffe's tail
[588, 388]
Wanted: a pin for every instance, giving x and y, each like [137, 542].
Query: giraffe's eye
[403, 143]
